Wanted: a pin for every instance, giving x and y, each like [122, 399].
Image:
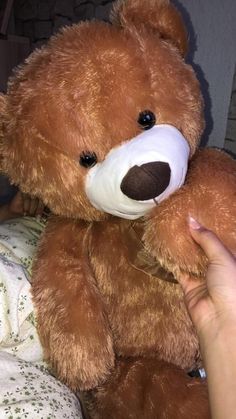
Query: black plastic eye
[147, 119]
[88, 159]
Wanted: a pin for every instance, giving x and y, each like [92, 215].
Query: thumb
[209, 242]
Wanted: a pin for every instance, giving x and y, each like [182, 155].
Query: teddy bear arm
[209, 196]
[72, 324]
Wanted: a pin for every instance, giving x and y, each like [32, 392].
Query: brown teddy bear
[103, 124]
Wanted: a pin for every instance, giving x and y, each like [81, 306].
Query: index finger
[210, 243]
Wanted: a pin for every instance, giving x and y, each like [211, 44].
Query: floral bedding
[27, 389]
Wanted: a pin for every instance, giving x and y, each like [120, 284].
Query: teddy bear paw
[81, 364]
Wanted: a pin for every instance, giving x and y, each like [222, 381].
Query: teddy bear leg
[148, 389]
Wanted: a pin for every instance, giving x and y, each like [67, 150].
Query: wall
[12, 51]
[230, 141]
[39, 19]
[214, 23]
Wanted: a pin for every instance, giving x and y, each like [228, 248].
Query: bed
[27, 389]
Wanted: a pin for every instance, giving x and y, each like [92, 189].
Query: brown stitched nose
[147, 181]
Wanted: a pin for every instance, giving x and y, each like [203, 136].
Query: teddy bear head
[104, 118]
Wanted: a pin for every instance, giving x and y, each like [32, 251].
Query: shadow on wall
[198, 70]
[230, 140]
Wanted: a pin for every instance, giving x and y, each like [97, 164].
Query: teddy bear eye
[88, 159]
[147, 119]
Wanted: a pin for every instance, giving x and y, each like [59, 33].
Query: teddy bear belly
[147, 315]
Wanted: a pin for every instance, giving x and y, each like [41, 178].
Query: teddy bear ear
[2, 103]
[158, 15]
[2, 113]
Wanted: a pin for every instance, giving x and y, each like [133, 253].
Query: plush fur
[111, 315]
[147, 379]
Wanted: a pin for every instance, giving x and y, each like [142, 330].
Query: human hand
[24, 204]
[212, 303]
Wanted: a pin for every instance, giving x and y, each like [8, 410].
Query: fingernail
[193, 224]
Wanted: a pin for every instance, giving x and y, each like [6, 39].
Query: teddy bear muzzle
[139, 173]
[147, 181]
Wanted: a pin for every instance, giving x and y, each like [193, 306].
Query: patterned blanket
[27, 390]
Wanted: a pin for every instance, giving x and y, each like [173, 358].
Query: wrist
[218, 338]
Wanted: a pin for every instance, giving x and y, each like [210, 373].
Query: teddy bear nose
[147, 181]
